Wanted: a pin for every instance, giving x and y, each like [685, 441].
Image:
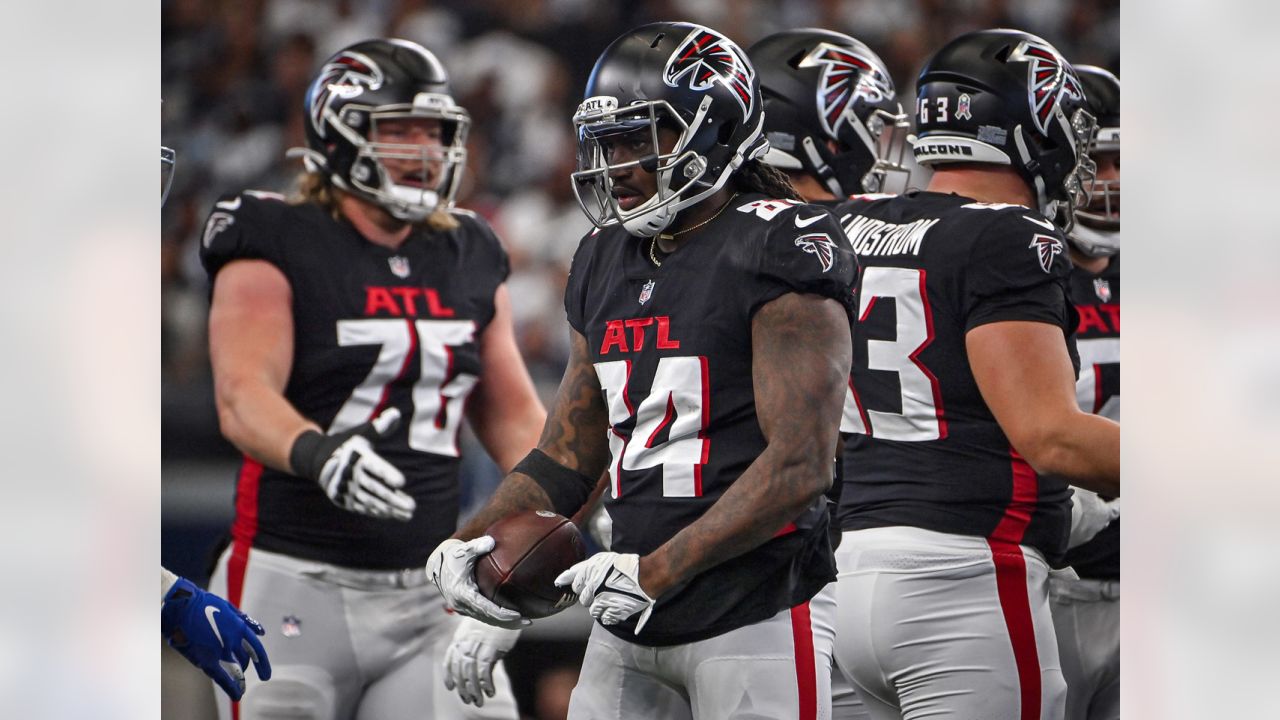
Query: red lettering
[378, 299]
[1113, 313]
[614, 334]
[433, 304]
[664, 328]
[408, 295]
[1090, 319]
[637, 326]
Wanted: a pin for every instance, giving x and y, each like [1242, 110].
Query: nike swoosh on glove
[608, 583]
[214, 635]
[452, 568]
[468, 663]
[351, 473]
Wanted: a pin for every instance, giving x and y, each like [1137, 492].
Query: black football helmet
[1007, 97]
[678, 75]
[372, 81]
[821, 86]
[1097, 229]
[168, 159]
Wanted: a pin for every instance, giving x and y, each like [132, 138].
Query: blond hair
[317, 188]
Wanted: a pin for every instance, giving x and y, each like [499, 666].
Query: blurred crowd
[235, 72]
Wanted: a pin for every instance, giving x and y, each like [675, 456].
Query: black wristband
[306, 457]
[567, 488]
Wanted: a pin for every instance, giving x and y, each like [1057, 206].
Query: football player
[1086, 611]
[369, 300]
[965, 425]
[710, 349]
[836, 129]
[832, 117]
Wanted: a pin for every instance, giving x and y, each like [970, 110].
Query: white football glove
[469, 661]
[351, 473]
[608, 583]
[452, 568]
[1090, 514]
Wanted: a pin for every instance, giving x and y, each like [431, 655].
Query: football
[531, 549]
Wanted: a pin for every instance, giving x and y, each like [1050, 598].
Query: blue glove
[214, 635]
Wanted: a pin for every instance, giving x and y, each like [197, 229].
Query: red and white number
[1095, 353]
[921, 417]
[678, 403]
[438, 394]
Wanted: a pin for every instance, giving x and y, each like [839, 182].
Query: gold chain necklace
[653, 242]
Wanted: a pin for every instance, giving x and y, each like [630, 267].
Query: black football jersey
[672, 349]
[1097, 301]
[374, 328]
[923, 448]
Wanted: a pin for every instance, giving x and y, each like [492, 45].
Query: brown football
[531, 549]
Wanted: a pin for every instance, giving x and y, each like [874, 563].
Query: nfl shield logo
[1102, 288]
[291, 626]
[399, 265]
[646, 292]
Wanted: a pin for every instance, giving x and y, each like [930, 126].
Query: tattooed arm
[573, 436]
[800, 363]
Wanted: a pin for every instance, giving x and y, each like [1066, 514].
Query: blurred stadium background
[234, 73]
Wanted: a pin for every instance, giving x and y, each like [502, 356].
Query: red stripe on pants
[242, 532]
[1011, 582]
[806, 672]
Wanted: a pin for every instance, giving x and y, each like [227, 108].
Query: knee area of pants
[291, 695]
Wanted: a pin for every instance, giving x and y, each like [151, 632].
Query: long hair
[317, 188]
[760, 177]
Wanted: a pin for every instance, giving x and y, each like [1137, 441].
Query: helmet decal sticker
[708, 57]
[346, 76]
[836, 89]
[1049, 78]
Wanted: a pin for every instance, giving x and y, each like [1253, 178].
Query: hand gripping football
[531, 549]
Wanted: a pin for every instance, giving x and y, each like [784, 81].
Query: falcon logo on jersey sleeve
[1049, 77]
[708, 58]
[218, 222]
[837, 89]
[1047, 247]
[820, 245]
[347, 76]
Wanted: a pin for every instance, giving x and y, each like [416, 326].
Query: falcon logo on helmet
[346, 76]
[1049, 77]
[846, 76]
[819, 245]
[708, 57]
[1047, 248]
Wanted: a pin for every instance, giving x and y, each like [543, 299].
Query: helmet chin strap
[652, 222]
[1094, 243]
[410, 204]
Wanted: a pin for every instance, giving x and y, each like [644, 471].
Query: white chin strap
[1095, 243]
[408, 203]
[651, 223]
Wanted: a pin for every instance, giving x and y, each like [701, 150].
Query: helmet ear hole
[726, 132]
